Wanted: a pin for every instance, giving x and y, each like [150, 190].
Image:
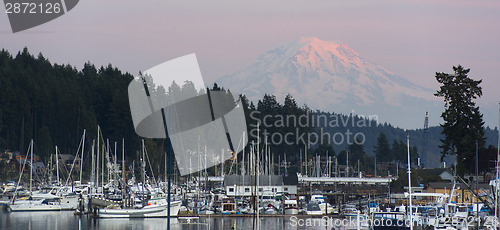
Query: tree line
[53, 103]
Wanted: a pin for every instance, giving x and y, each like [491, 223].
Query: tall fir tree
[463, 122]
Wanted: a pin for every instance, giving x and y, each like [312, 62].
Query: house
[245, 185]
[38, 167]
[20, 156]
[443, 173]
[19, 160]
[462, 194]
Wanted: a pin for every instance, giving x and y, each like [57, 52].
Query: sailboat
[42, 202]
[148, 202]
[155, 207]
[35, 201]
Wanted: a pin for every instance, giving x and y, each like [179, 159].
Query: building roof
[264, 180]
[448, 185]
[435, 171]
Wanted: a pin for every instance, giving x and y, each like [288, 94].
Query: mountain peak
[329, 75]
[317, 53]
[311, 54]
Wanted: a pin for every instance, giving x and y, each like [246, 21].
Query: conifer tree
[463, 122]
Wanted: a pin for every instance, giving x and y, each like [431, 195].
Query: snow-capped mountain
[330, 76]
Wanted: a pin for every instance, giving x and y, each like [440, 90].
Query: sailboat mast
[327, 159]
[305, 158]
[165, 177]
[286, 165]
[92, 174]
[57, 165]
[347, 164]
[279, 164]
[257, 175]
[102, 165]
[97, 158]
[115, 165]
[143, 166]
[409, 179]
[336, 167]
[81, 159]
[477, 174]
[498, 165]
[123, 160]
[300, 160]
[50, 170]
[242, 168]
[31, 164]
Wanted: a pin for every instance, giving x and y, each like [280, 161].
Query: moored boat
[154, 208]
[291, 207]
[46, 202]
[313, 209]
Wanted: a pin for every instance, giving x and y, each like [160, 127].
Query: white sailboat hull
[33, 207]
[146, 212]
[207, 212]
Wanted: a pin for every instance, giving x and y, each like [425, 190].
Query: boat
[450, 216]
[350, 211]
[156, 207]
[269, 203]
[68, 200]
[313, 208]
[5, 199]
[244, 206]
[10, 187]
[270, 210]
[291, 207]
[206, 210]
[140, 200]
[228, 206]
[36, 202]
[321, 200]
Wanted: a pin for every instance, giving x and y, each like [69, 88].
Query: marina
[214, 169]
[250, 198]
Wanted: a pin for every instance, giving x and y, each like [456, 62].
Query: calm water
[66, 220]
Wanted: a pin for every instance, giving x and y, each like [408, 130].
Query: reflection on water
[66, 220]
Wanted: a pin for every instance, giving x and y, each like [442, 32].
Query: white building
[245, 185]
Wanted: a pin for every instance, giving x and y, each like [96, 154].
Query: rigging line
[66, 169]
[36, 173]
[150, 167]
[74, 160]
[236, 157]
[22, 171]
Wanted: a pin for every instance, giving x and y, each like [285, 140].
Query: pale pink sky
[413, 39]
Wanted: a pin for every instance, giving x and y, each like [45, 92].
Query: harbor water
[67, 220]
